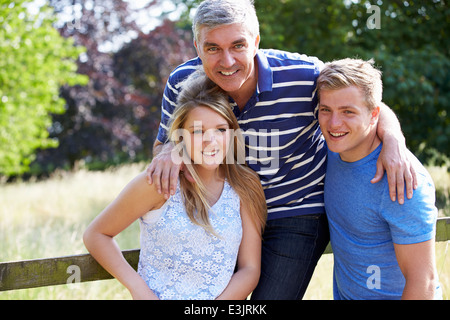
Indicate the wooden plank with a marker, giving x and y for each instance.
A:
(56, 271)
(82, 268)
(442, 232)
(443, 229)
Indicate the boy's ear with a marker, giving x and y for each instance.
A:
(375, 114)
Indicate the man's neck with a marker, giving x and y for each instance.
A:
(246, 91)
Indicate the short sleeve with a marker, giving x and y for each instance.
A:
(415, 220)
(167, 107)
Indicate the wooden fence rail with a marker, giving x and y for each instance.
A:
(81, 268)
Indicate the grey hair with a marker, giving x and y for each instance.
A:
(214, 13)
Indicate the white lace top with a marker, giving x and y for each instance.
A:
(180, 260)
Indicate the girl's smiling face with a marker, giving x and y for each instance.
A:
(206, 136)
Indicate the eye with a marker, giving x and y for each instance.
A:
(212, 49)
(197, 131)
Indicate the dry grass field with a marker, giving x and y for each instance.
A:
(47, 219)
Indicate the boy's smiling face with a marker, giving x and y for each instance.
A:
(349, 127)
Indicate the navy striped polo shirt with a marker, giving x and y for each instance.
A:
(284, 144)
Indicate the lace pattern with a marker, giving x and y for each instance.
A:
(180, 260)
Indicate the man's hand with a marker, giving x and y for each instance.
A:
(164, 170)
(400, 172)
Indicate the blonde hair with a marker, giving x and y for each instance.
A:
(199, 90)
(353, 72)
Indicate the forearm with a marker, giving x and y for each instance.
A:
(242, 283)
(108, 254)
(419, 289)
(388, 126)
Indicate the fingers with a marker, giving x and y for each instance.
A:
(409, 182)
(400, 185)
(163, 173)
(379, 173)
(149, 173)
(401, 176)
(402, 181)
(415, 182)
(165, 178)
(396, 184)
(169, 180)
(398, 179)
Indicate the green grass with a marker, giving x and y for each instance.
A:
(47, 219)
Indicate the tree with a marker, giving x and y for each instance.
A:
(144, 65)
(34, 62)
(410, 44)
(95, 124)
(114, 118)
(315, 28)
(412, 48)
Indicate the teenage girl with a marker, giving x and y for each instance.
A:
(204, 242)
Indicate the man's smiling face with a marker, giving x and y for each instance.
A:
(227, 53)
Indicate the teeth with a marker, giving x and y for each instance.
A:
(227, 73)
(212, 153)
(337, 134)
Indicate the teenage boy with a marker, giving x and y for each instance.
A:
(382, 250)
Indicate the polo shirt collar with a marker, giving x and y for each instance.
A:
(265, 76)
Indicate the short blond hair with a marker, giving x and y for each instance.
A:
(348, 72)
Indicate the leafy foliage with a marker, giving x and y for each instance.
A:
(115, 117)
(34, 62)
(411, 46)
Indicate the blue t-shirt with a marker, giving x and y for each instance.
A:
(283, 141)
(365, 223)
